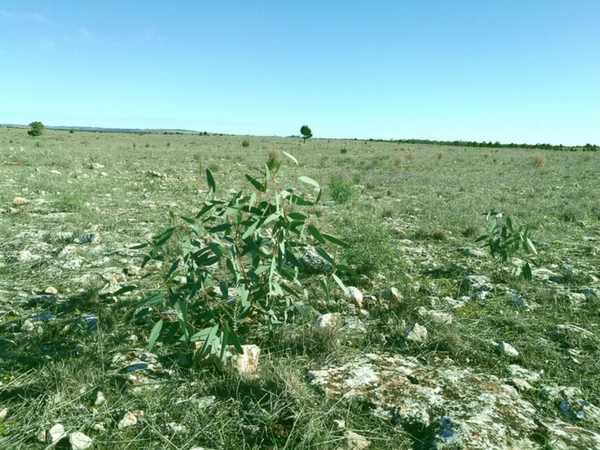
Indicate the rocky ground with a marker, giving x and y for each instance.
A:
(441, 347)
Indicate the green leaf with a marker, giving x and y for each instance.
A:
(296, 200)
(257, 185)
(302, 310)
(224, 339)
(215, 249)
(207, 335)
(207, 207)
(218, 228)
(160, 240)
(319, 196)
(154, 334)
(297, 216)
(211, 181)
(309, 181)
(170, 334)
(188, 220)
(172, 270)
(235, 341)
(139, 246)
(340, 283)
(335, 240)
(316, 234)
(530, 246)
(251, 229)
(325, 288)
(291, 157)
(527, 272)
(124, 290)
(345, 269)
(152, 300)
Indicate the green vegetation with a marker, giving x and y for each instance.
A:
(240, 260)
(35, 129)
(305, 132)
(246, 143)
(341, 188)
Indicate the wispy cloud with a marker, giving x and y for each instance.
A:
(35, 17)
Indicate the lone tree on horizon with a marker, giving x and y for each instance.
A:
(305, 132)
(36, 129)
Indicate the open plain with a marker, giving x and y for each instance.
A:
(503, 362)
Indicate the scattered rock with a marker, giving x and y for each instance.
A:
(521, 384)
(175, 428)
(126, 419)
(473, 252)
(90, 238)
(437, 317)
(415, 333)
(99, 399)
(479, 282)
(80, 441)
(517, 371)
(96, 166)
(138, 369)
(244, 364)
(507, 349)
(99, 427)
(329, 320)
(154, 174)
(355, 295)
(341, 424)
(55, 172)
(355, 441)
(51, 290)
(20, 201)
(389, 294)
(55, 434)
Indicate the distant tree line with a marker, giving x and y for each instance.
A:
(586, 147)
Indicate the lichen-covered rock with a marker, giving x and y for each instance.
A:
(446, 407)
(312, 262)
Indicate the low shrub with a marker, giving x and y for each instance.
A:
(341, 188)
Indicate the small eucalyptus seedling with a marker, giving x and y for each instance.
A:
(237, 265)
(504, 240)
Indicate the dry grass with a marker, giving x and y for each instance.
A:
(539, 160)
(273, 155)
(398, 161)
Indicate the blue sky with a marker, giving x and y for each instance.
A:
(509, 71)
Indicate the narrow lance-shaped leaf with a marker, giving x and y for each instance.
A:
(527, 274)
(291, 157)
(340, 283)
(335, 240)
(154, 334)
(124, 290)
(211, 333)
(309, 180)
(160, 240)
(530, 246)
(210, 181)
(152, 300)
(316, 234)
(257, 185)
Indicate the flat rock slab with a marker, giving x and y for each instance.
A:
(447, 407)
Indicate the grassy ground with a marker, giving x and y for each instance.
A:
(409, 212)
